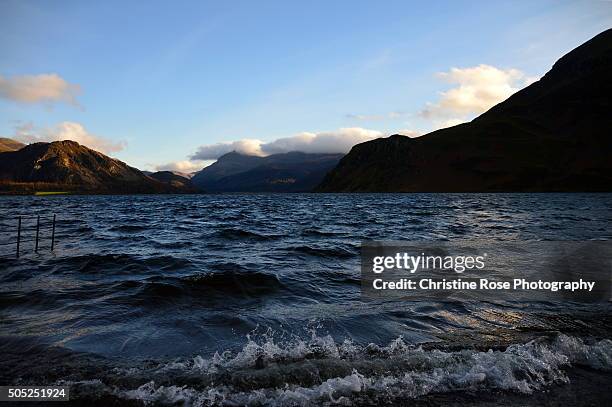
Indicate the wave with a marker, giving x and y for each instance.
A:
(172, 245)
(336, 252)
(119, 263)
(318, 232)
(320, 371)
(241, 234)
(235, 281)
(82, 229)
(208, 287)
(128, 228)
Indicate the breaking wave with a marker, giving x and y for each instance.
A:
(320, 371)
(135, 289)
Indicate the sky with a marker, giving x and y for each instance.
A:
(174, 85)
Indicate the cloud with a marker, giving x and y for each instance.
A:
(44, 88)
(409, 133)
(214, 151)
(478, 89)
(185, 166)
(28, 133)
(339, 141)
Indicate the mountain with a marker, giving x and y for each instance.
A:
(554, 135)
(173, 178)
(187, 175)
(7, 144)
(69, 166)
(288, 172)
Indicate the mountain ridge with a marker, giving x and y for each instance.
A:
(68, 166)
(8, 144)
(286, 172)
(173, 178)
(552, 135)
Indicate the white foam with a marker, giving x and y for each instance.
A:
(265, 349)
(522, 368)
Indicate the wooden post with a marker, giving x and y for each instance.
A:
(37, 232)
(18, 235)
(53, 234)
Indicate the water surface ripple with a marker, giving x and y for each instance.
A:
(255, 299)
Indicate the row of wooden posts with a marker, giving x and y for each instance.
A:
(37, 239)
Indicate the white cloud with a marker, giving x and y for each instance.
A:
(214, 151)
(409, 133)
(478, 89)
(27, 133)
(339, 141)
(44, 88)
(185, 166)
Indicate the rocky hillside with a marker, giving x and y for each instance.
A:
(69, 166)
(7, 144)
(554, 135)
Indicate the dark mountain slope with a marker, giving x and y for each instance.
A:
(8, 144)
(554, 135)
(173, 179)
(227, 165)
(288, 172)
(69, 166)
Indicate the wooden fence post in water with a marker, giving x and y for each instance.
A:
(37, 231)
(18, 235)
(53, 234)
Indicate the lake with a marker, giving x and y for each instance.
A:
(255, 299)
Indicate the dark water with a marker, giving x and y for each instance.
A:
(255, 299)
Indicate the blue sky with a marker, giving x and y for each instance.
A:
(162, 79)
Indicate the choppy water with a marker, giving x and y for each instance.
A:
(255, 299)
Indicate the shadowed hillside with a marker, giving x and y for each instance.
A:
(177, 180)
(288, 172)
(554, 135)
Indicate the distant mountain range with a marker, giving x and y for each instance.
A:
(178, 173)
(288, 172)
(554, 135)
(175, 179)
(71, 167)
